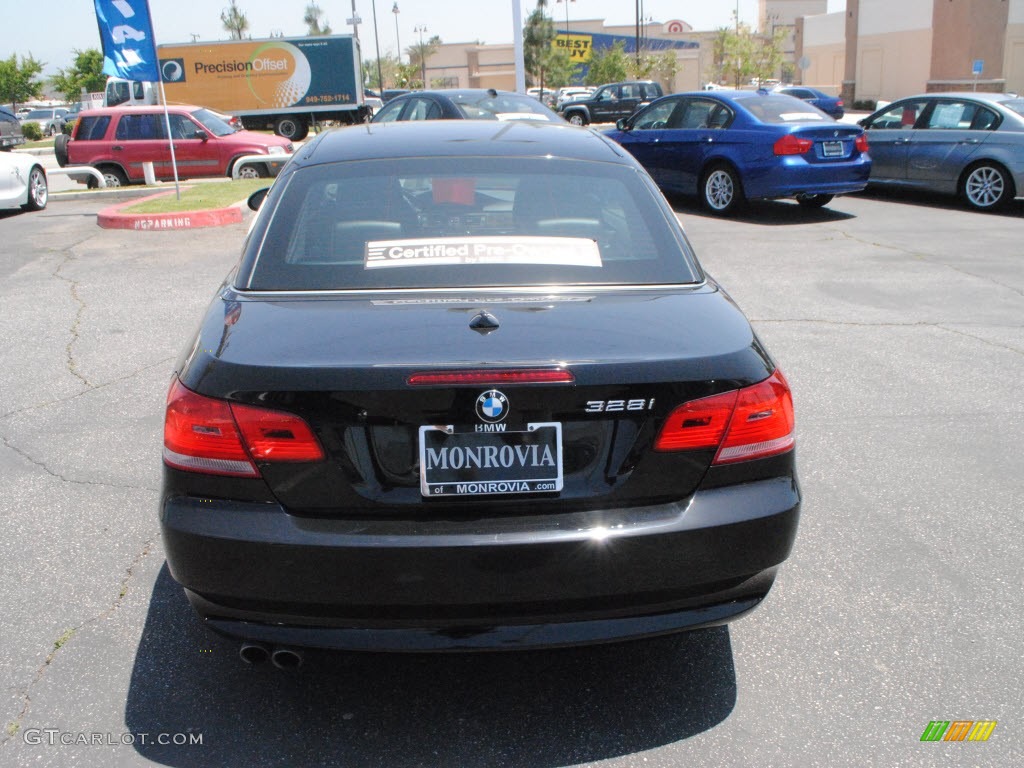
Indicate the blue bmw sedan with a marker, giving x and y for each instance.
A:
(728, 147)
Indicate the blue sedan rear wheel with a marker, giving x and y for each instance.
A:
(986, 186)
(721, 191)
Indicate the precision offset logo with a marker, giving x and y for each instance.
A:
(492, 406)
(959, 730)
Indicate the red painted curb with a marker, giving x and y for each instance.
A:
(112, 218)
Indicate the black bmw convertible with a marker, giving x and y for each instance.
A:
(468, 387)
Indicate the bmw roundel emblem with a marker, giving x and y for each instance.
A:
(492, 406)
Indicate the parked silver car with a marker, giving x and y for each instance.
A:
(967, 144)
(50, 120)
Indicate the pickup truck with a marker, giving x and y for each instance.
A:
(610, 102)
(10, 131)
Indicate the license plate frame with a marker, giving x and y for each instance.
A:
(833, 149)
(518, 463)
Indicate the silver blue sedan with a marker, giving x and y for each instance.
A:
(967, 144)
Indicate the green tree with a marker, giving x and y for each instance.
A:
(418, 54)
(86, 72)
(608, 65)
(559, 67)
(234, 20)
(19, 81)
(388, 70)
(408, 76)
(538, 34)
(746, 55)
(766, 52)
(312, 21)
(654, 65)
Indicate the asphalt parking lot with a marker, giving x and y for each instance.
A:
(900, 325)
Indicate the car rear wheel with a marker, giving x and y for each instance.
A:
(986, 186)
(38, 191)
(291, 128)
(814, 201)
(721, 190)
(52, 131)
(112, 175)
(576, 118)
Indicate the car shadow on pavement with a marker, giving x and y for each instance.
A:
(934, 200)
(771, 213)
(537, 708)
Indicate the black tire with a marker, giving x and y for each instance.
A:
(721, 191)
(113, 175)
(60, 149)
(52, 131)
(291, 128)
(814, 201)
(576, 118)
(986, 186)
(38, 190)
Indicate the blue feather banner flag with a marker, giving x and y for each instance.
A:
(126, 31)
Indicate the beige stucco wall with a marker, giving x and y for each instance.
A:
(893, 65)
(1013, 56)
(894, 49)
(824, 44)
(966, 31)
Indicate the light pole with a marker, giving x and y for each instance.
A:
(376, 43)
(355, 21)
(398, 42)
(566, 14)
(421, 28)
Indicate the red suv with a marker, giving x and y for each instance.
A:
(118, 140)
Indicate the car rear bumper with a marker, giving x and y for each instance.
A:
(795, 176)
(253, 571)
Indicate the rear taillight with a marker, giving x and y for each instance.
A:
(697, 424)
(203, 434)
(839, 102)
(791, 144)
(276, 435)
(750, 423)
(861, 143)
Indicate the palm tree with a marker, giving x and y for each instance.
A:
(235, 21)
(312, 21)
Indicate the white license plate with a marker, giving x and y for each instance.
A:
(489, 463)
(832, 149)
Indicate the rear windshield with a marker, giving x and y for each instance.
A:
(1017, 105)
(779, 108)
(504, 106)
(467, 222)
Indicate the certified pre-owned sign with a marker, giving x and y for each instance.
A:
(566, 251)
(484, 463)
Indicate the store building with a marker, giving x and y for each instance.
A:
(893, 50)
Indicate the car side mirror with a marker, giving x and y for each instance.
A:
(623, 124)
(202, 136)
(257, 197)
(863, 122)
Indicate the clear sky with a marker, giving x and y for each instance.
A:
(54, 29)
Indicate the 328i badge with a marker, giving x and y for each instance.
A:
(425, 417)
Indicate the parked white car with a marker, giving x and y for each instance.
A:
(569, 93)
(22, 182)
